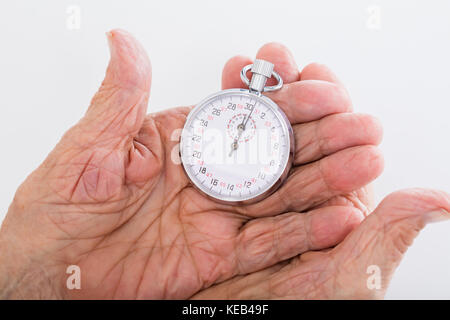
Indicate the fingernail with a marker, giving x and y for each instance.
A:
(437, 216)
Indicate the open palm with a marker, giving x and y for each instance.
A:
(113, 199)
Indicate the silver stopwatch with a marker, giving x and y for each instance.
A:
(237, 145)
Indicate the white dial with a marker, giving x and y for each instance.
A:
(236, 145)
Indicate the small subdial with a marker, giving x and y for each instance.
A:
(236, 123)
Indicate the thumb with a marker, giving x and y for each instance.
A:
(118, 108)
(96, 156)
(368, 257)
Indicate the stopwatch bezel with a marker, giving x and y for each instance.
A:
(288, 160)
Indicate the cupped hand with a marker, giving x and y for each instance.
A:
(112, 199)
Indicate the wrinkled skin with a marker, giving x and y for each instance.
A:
(110, 199)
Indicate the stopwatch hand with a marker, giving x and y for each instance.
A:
(234, 146)
(247, 118)
(235, 143)
(243, 123)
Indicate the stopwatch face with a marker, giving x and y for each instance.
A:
(236, 146)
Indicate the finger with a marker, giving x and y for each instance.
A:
(275, 53)
(360, 267)
(316, 71)
(266, 241)
(318, 96)
(317, 139)
(372, 252)
(318, 93)
(362, 199)
(101, 150)
(253, 286)
(231, 72)
(317, 182)
(118, 108)
(309, 100)
(283, 61)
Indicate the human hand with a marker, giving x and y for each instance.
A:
(360, 267)
(110, 199)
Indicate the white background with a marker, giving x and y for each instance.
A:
(392, 55)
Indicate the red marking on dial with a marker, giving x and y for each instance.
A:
(233, 124)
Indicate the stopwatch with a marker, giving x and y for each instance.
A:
(237, 144)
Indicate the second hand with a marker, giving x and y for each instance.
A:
(241, 129)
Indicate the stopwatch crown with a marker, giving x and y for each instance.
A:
(261, 71)
(262, 67)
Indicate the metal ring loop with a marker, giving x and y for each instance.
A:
(277, 77)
